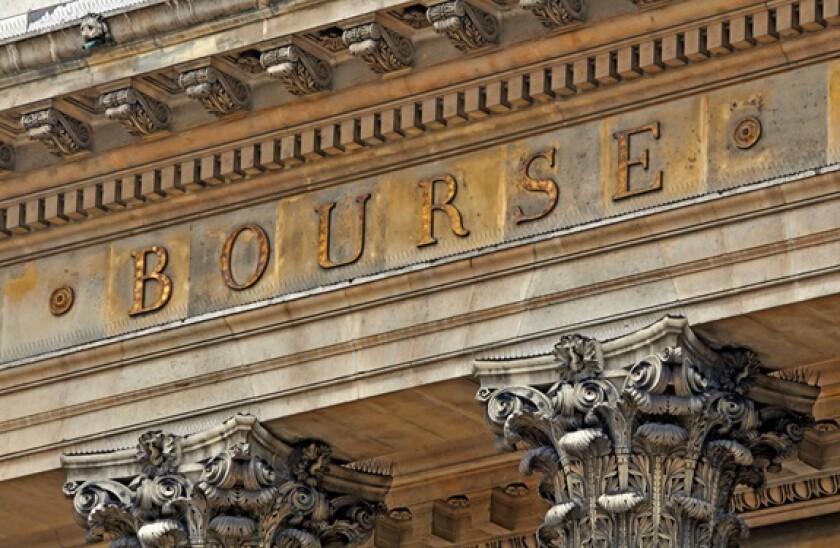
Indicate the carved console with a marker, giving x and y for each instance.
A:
(219, 92)
(300, 72)
(381, 48)
(62, 134)
(233, 486)
(642, 440)
(137, 112)
(555, 13)
(467, 26)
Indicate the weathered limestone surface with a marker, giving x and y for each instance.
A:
(742, 237)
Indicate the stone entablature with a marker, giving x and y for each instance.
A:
(551, 184)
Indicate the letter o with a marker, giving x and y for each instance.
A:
(227, 251)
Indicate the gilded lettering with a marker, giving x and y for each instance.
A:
(227, 252)
(529, 183)
(625, 162)
(430, 205)
(156, 275)
(325, 214)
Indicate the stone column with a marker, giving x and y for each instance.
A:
(641, 440)
(233, 486)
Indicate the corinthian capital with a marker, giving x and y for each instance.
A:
(61, 133)
(219, 92)
(555, 13)
(641, 452)
(137, 112)
(466, 26)
(300, 72)
(381, 48)
(253, 490)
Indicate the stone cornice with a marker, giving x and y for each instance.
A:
(516, 91)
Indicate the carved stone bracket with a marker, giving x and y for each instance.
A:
(555, 13)
(61, 134)
(467, 26)
(139, 113)
(7, 157)
(219, 92)
(253, 490)
(299, 71)
(382, 49)
(641, 452)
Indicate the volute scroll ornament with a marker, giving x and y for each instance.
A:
(467, 26)
(645, 452)
(258, 492)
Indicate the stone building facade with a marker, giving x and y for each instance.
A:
(475, 273)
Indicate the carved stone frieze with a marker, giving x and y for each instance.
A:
(256, 492)
(7, 157)
(300, 72)
(219, 92)
(645, 452)
(61, 134)
(467, 26)
(555, 13)
(137, 112)
(381, 48)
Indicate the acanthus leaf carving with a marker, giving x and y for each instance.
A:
(555, 13)
(62, 134)
(381, 48)
(648, 454)
(300, 72)
(467, 26)
(219, 92)
(237, 500)
(137, 112)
